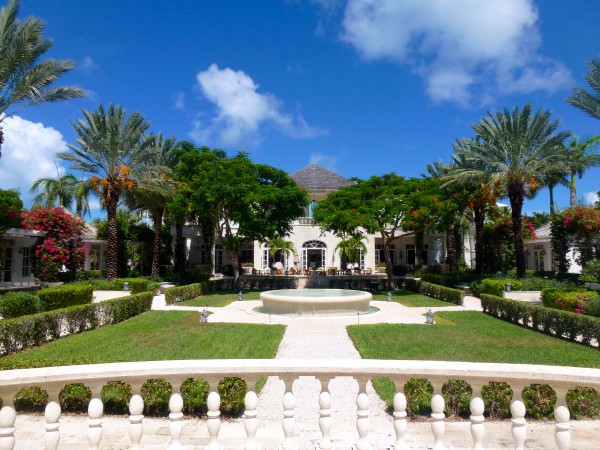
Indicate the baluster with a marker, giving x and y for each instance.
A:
(362, 416)
(95, 412)
(325, 417)
(214, 420)
(289, 403)
(438, 427)
(562, 435)
(517, 410)
(250, 420)
(477, 419)
(400, 424)
(8, 415)
(175, 419)
(52, 416)
(136, 416)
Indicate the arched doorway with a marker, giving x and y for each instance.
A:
(314, 254)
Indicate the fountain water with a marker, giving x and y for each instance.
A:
(315, 302)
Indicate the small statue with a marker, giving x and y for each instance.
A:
(240, 296)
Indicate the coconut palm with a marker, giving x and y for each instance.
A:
(513, 149)
(24, 79)
(108, 147)
(581, 156)
(62, 191)
(589, 102)
(350, 249)
(155, 187)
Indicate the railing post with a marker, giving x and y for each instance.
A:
(175, 418)
(250, 420)
(477, 419)
(517, 410)
(136, 416)
(562, 435)
(8, 415)
(214, 420)
(400, 424)
(95, 412)
(52, 415)
(325, 416)
(362, 416)
(289, 403)
(438, 427)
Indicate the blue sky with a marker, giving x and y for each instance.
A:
(362, 87)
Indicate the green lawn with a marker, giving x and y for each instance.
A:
(221, 298)
(409, 298)
(156, 335)
(468, 336)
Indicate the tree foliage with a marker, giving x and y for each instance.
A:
(10, 209)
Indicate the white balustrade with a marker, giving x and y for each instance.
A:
(476, 374)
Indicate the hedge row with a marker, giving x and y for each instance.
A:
(37, 329)
(443, 293)
(554, 322)
(567, 300)
(65, 296)
(191, 291)
(135, 285)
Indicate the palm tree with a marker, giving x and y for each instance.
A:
(24, 79)
(581, 156)
(62, 191)
(155, 187)
(108, 147)
(350, 249)
(588, 102)
(513, 149)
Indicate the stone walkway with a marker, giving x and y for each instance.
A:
(309, 338)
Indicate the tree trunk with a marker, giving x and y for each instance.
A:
(479, 214)
(451, 256)
(419, 238)
(234, 258)
(389, 269)
(551, 193)
(516, 195)
(179, 247)
(157, 217)
(573, 190)
(112, 257)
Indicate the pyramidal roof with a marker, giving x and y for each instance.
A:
(315, 177)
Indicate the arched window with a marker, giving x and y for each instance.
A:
(314, 254)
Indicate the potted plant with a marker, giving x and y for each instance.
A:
(380, 267)
(247, 267)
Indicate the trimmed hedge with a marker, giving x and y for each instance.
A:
(65, 296)
(136, 285)
(566, 300)
(554, 322)
(16, 304)
(37, 329)
(191, 291)
(443, 293)
(496, 286)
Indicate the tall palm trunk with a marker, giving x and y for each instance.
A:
(551, 193)
(112, 200)
(516, 195)
(157, 217)
(452, 256)
(479, 214)
(573, 190)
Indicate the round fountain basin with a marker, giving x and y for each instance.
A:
(315, 301)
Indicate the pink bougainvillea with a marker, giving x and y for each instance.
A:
(62, 245)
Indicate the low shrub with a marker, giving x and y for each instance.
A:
(75, 398)
(592, 307)
(31, 399)
(135, 285)
(191, 291)
(554, 322)
(583, 402)
(496, 396)
(457, 398)
(539, 399)
(567, 300)
(496, 286)
(115, 396)
(194, 392)
(232, 391)
(16, 304)
(419, 392)
(443, 293)
(64, 296)
(156, 395)
(590, 273)
(87, 275)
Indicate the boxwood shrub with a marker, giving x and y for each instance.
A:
(64, 296)
(443, 293)
(496, 286)
(191, 291)
(16, 304)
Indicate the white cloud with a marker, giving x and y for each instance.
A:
(179, 100)
(590, 198)
(27, 154)
(328, 161)
(87, 64)
(242, 113)
(464, 49)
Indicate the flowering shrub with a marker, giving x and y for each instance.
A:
(578, 226)
(62, 244)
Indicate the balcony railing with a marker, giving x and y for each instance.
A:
(52, 379)
(304, 221)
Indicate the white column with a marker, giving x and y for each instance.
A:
(477, 418)
(214, 420)
(562, 435)
(362, 416)
(325, 416)
(400, 424)
(289, 404)
(517, 410)
(438, 427)
(95, 412)
(136, 416)
(175, 419)
(8, 415)
(52, 416)
(250, 420)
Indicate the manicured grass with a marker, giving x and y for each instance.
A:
(409, 298)
(221, 298)
(156, 335)
(468, 336)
